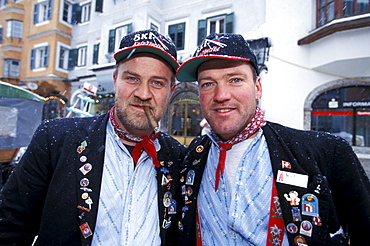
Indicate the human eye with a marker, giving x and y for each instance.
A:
(205, 85)
(131, 79)
(236, 80)
(158, 84)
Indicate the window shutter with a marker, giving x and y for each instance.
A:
(99, 6)
(1, 35)
(229, 23)
(36, 13)
(50, 9)
(46, 55)
(96, 54)
(76, 13)
(111, 40)
(202, 30)
(72, 58)
(33, 55)
(129, 28)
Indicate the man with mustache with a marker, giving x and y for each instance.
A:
(107, 180)
(254, 182)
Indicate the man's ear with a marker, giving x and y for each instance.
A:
(173, 88)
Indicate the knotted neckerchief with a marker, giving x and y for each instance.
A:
(256, 123)
(144, 142)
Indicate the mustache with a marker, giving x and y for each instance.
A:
(137, 101)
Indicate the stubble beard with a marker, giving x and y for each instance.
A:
(132, 120)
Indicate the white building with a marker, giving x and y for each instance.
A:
(318, 67)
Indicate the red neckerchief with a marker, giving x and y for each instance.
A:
(256, 123)
(144, 142)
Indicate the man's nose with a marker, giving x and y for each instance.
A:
(222, 93)
(143, 91)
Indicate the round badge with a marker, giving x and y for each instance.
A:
(87, 167)
(83, 158)
(84, 182)
(189, 191)
(85, 195)
(299, 240)
(292, 228)
(199, 148)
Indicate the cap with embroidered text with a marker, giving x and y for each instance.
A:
(217, 46)
(149, 41)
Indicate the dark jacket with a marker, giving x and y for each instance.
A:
(335, 177)
(42, 196)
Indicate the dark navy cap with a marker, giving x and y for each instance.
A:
(217, 46)
(148, 41)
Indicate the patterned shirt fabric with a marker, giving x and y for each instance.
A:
(128, 204)
(237, 214)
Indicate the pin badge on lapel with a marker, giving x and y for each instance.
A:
(190, 177)
(306, 228)
(86, 168)
(286, 164)
(199, 148)
(84, 182)
(292, 228)
(310, 205)
(82, 147)
(165, 180)
(85, 229)
(296, 214)
(292, 198)
(172, 207)
(167, 199)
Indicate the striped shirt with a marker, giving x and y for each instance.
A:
(238, 213)
(128, 203)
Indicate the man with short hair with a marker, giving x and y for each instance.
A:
(254, 182)
(107, 180)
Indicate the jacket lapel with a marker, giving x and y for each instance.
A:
(89, 159)
(303, 202)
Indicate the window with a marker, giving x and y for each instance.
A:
(67, 11)
(3, 3)
(63, 57)
(153, 26)
(14, 28)
(344, 112)
(85, 12)
(1, 34)
(177, 34)
(215, 24)
(328, 10)
(82, 51)
(39, 57)
(96, 54)
(11, 67)
(99, 6)
(42, 11)
(115, 36)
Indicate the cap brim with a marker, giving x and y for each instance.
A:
(188, 71)
(123, 53)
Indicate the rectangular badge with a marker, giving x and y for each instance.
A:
(290, 178)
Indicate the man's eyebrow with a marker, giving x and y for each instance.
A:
(130, 73)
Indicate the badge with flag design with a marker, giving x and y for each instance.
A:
(286, 164)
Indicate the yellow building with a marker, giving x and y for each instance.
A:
(30, 34)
